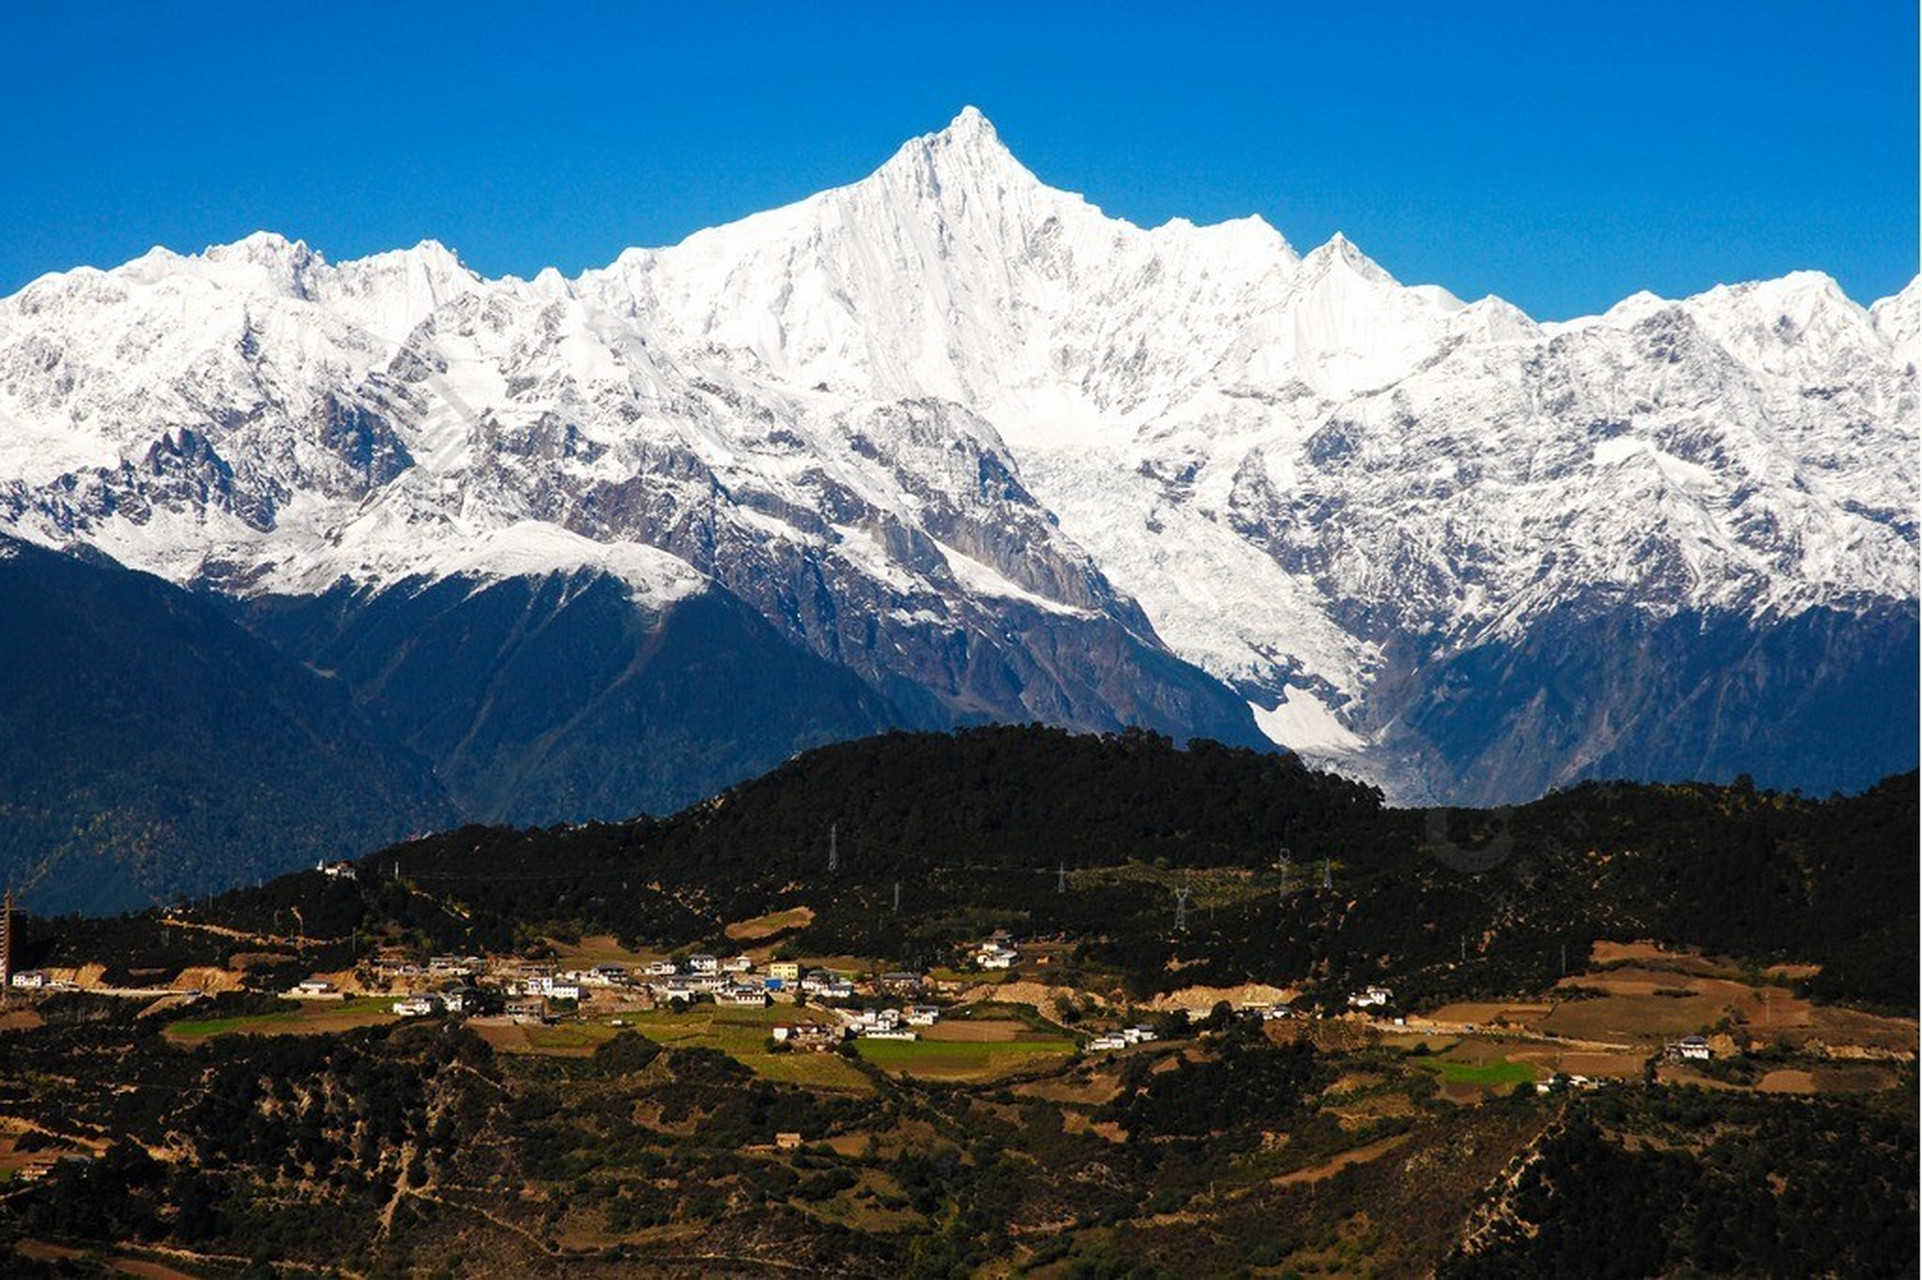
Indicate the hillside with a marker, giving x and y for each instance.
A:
(150, 745)
(984, 828)
(1515, 1107)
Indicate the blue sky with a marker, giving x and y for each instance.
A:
(1562, 156)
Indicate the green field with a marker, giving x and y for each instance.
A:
(742, 1034)
(316, 1018)
(961, 1059)
(1488, 1074)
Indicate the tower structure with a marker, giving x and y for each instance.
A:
(834, 848)
(1181, 908)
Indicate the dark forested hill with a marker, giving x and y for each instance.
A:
(150, 745)
(1090, 837)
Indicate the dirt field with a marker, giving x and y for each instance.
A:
(1482, 1013)
(601, 948)
(986, 1031)
(768, 925)
(1329, 1168)
(1845, 1029)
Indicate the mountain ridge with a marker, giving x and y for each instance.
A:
(1004, 457)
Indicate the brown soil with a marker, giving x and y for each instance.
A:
(768, 925)
(1329, 1168)
(983, 1032)
(1206, 998)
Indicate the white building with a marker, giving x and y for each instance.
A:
(553, 988)
(1694, 1048)
(1373, 997)
(416, 1006)
(704, 964)
(996, 956)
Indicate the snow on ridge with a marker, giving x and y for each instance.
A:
(1290, 464)
(534, 549)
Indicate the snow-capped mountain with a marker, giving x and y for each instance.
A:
(1000, 456)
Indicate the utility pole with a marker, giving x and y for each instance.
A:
(834, 848)
(6, 946)
(1327, 872)
(1061, 878)
(1181, 909)
(897, 897)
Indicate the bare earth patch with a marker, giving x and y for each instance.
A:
(768, 925)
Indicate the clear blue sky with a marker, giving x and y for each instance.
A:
(1562, 156)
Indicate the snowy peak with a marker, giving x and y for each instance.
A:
(967, 149)
(947, 400)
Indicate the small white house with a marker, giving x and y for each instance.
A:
(737, 964)
(661, 969)
(703, 964)
(923, 1015)
(416, 1006)
(311, 988)
(1372, 997)
(553, 988)
(337, 870)
(460, 999)
(995, 956)
(30, 979)
(1694, 1048)
(1104, 1043)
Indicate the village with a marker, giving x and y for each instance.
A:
(824, 1004)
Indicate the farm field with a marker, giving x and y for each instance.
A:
(742, 1034)
(1496, 1074)
(972, 1060)
(317, 1018)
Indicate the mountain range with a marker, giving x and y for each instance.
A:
(943, 447)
